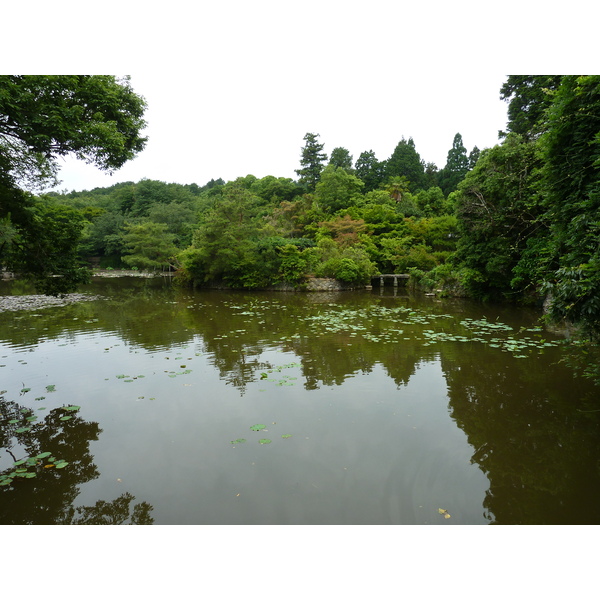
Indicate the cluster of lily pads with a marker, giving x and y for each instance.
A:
(28, 468)
(260, 427)
(285, 379)
(386, 330)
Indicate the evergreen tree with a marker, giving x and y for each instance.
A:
(369, 170)
(474, 157)
(528, 97)
(311, 161)
(406, 162)
(457, 166)
(340, 157)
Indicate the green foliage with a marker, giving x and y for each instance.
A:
(406, 162)
(499, 209)
(457, 166)
(98, 118)
(528, 97)
(341, 157)
(433, 203)
(275, 190)
(148, 246)
(350, 265)
(337, 190)
(43, 247)
(369, 170)
(295, 263)
(311, 162)
(572, 175)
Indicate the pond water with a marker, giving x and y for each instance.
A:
(154, 404)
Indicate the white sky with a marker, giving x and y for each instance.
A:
(232, 87)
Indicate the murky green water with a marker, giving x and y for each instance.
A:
(372, 407)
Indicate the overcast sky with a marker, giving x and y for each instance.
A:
(255, 123)
(233, 86)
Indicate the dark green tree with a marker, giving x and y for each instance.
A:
(528, 97)
(311, 161)
(571, 148)
(501, 216)
(369, 170)
(457, 166)
(340, 157)
(96, 118)
(43, 247)
(405, 161)
(474, 157)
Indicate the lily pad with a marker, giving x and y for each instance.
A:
(238, 441)
(258, 427)
(72, 407)
(264, 441)
(66, 418)
(286, 435)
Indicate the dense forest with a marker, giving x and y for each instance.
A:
(518, 222)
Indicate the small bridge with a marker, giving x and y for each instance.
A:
(394, 276)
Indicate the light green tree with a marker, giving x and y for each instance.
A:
(149, 246)
(337, 189)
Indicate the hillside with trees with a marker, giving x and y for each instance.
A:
(518, 222)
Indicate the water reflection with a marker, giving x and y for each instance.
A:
(39, 492)
(397, 406)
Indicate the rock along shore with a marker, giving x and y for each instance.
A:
(12, 303)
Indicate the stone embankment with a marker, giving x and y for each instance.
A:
(36, 302)
(130, 273)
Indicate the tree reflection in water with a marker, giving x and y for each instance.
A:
(46, 496)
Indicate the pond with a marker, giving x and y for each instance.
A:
(153, 404)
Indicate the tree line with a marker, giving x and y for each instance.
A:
(515, 222)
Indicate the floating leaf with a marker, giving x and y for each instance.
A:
(72, 407)
(13, 421)
(43, 455)
(25, 390)
(61, 465)
(19, 462)
(286, 435)
(66, 418)
(257, 427)
(50, 388)
(264, 441)
(444, 512)
(23, 429)
(238, 441)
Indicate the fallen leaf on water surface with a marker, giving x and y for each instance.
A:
(444, 512)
